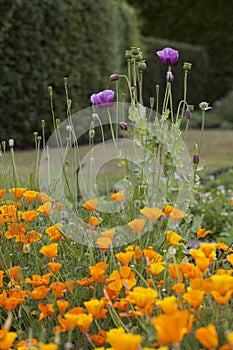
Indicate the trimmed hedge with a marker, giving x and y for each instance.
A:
(208, 23)
(43, 41)
(156, 72)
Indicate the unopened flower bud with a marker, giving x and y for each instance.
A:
(43, 123)
(142, 65)
(58, 122)
(152, 101)
(187, 66)
(170, 77)
(188, 114)
(114, 77)
(157, 88)
(11, 143)
(50, 90)
(123, 126)
(196, 159)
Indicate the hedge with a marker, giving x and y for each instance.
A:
(43, 41)
(208, 23)
(156, 72)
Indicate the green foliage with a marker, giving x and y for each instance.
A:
(41, 42)
(215, 206)
(207, 23)
(224, 110)
(156, 72)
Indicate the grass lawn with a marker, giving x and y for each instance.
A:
(216, 153)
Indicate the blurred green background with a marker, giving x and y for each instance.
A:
(43, 41)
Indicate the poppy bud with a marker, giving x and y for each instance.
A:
(188, 114)
(11, 143)
(114, 77)
(170, 77)
(123, 126)
(187, 66)
(196, 159)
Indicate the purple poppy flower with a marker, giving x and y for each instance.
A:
(105, 98)
(168, 56)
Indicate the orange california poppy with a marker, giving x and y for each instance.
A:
(58, 289)
(202, 232)
(108, 233)
(54, 266)
(171, 328)
(230, 258)
(98, 272)
(173, 238)
(95, 307)
(93, 221)
(54, 232)
(43, 197)
(29, 215)
(207, 336)
(38, 281)
(168, 305)
(84, 321)
(50, 251)
(2, 192)
(120, 340)
(104, 243)
(152, 214)
(125, 257)
(194, 297)
(17, 192)
(7, 339)
(124, 277)
(90, 205)
(30, 196)
(38, 293)
(99, 338)
(143, 298)
(46, 310)
(45, 209)
(137, 225)
(62, 305)
(118, 197)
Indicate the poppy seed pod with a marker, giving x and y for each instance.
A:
(128, 54)
(187, 66)
(196, 159)
(135, 50)
(142, 65)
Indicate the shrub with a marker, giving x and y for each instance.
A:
(43, 41)
(155, 74)
(206, 23)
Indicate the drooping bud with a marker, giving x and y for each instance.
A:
(196, 159)
(114, 77)
(123, 126)
(188, 114)
(187, 66)
(169, 77)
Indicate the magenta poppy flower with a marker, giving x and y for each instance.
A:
(105, 98)
(168, 56)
